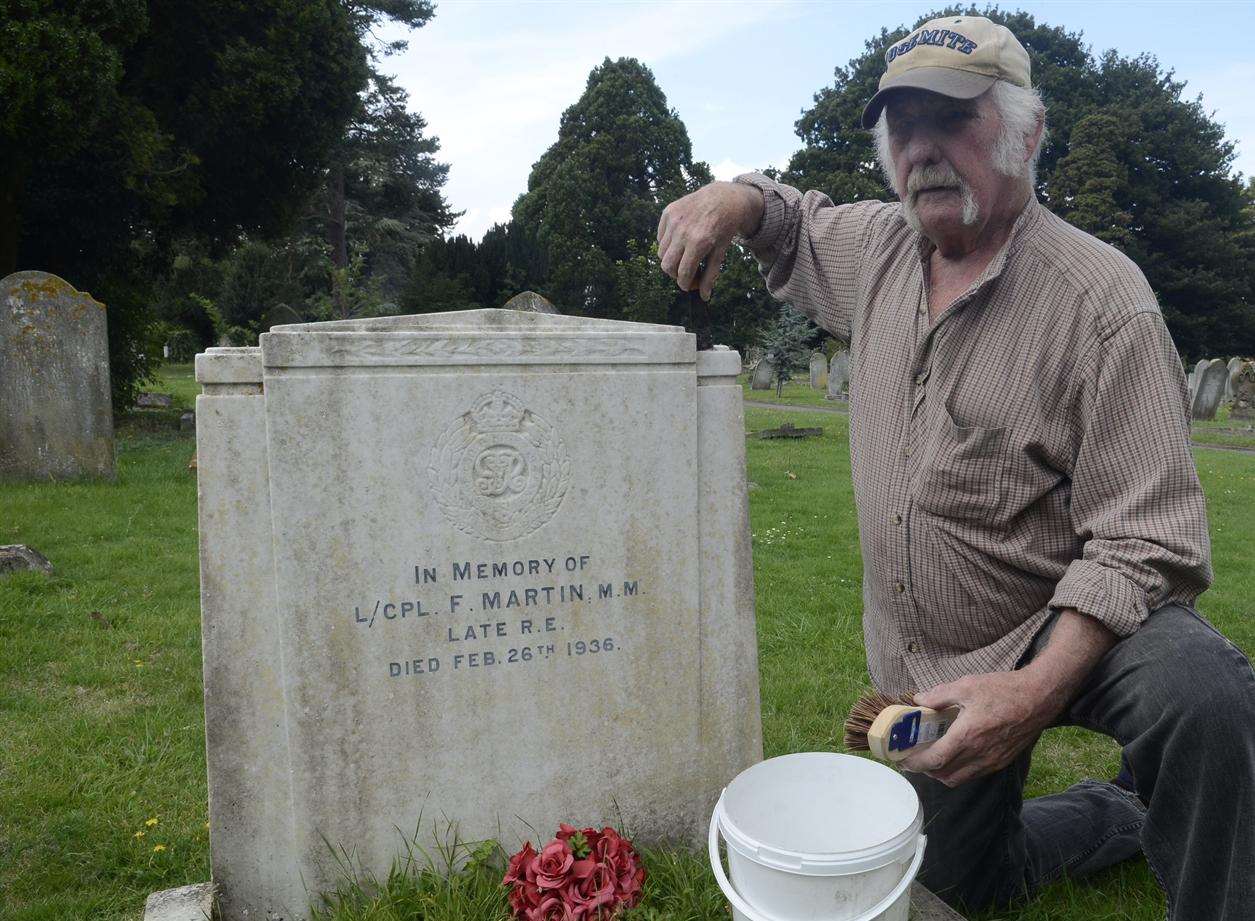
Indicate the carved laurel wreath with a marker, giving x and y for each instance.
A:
(496, 517)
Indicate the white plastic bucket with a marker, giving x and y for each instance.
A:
(818, 836)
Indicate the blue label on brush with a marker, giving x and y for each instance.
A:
(905, 732)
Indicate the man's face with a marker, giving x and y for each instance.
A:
(943, 163)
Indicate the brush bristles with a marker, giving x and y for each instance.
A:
(864, 713)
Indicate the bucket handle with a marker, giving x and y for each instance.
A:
(872, 914)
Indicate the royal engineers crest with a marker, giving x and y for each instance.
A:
(499, 471)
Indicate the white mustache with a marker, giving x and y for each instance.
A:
(930, 177)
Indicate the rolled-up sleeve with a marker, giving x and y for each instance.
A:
(1136, 498)
(810, 250)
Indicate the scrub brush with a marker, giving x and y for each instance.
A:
(893, 727)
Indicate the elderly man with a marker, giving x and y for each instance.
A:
(1032, 526)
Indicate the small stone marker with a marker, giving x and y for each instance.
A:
(1209, 385)
(764, 375)
(532, 303)
(788, 430)
(488, 567)
(1243, 381)
(925, 906)
(187, 422)
(147, 400)
(839, 376)
(187, 903)
(21, 558)
(818, 371)
(56, 415)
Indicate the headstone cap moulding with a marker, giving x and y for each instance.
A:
(475, 337)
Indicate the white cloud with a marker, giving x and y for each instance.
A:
(493, 92)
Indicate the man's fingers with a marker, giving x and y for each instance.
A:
(686, 274)
(942, 696)
(663, 223)
(714, 265)
(670, 260)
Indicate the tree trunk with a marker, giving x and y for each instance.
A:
(337, 238)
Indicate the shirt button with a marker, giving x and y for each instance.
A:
(899, 588)
(912, 647)
(906, 452)
(897, 519)
(921, 377)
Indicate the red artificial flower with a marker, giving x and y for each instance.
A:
(553, 864)
(588, 895)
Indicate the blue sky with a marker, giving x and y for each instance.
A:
(493, 77)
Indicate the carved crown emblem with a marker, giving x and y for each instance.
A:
(499, 471)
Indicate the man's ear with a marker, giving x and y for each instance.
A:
(1034, 137)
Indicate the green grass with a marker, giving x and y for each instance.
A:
(1221, 431)
(101, 727)
(178, 380)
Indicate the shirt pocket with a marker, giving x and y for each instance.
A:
(962, 477)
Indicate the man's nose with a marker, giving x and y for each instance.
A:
(922, 149)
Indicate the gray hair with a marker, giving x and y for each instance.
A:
(1020, 110)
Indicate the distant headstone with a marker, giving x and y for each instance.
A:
(21, 558)
(532, 303)
(818, 371)
(187, 422)
(1209, 385)
(753, 356)
(764, 375)
(56, 414)
(147, 400)
(1234, 364)
(839, 376)
(1243, 381)
(512, 557)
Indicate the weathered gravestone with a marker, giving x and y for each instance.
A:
(818, 371)
(1209, 384)
(488, 567)
(1233, 366)
(839, 376)
(531, 302)
(764, 375)
(1243, 381)
(56, 414)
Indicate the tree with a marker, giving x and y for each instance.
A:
(787, 346)
(127, 126)
(1127, 158)
(621, 155)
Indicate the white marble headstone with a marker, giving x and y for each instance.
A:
(1209, 387)
(487, 567)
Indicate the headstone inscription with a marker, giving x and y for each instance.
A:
(839, 376)
(764, 375)
(819, 371)
(1243, 380)
(56, 413)
(1209, 384)
(490, 567)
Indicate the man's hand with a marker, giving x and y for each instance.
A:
(700, 226)
(1002, 714)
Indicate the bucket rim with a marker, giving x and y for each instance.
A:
(894, 848)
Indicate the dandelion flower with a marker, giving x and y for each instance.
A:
(158, 848)
(139, 663)
(151, 822)
(138, 834)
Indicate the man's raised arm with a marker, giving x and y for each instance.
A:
(809, 250)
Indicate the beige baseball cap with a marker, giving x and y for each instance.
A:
(959, 56)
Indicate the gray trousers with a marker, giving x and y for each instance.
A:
(1180, 699)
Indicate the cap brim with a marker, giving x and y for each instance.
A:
(958, 84)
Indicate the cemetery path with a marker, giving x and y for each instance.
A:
(844, 411)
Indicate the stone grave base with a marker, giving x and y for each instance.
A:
(187, 903)
(195, 903)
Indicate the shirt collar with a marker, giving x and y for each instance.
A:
(1025, 221)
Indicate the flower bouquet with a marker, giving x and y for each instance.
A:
(580, 874)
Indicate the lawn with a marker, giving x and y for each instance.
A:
(102, 777)
(1221, 431)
